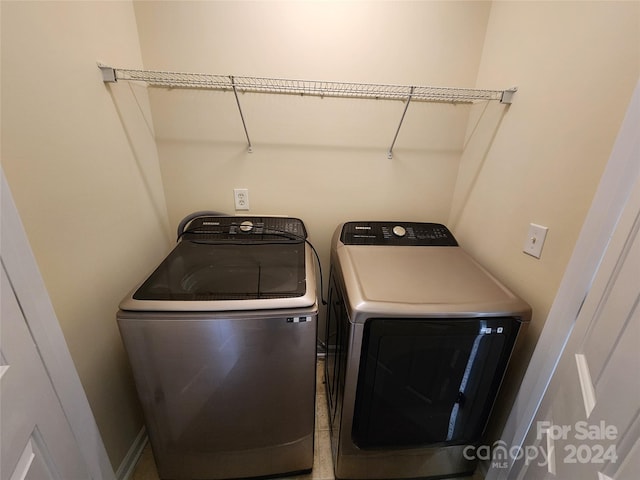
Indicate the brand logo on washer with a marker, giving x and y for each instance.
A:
(298, 319)
(363, 228)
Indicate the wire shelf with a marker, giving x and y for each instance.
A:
(306, 87)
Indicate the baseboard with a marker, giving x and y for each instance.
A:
(128, 465)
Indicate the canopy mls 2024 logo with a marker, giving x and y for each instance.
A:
(580, 443)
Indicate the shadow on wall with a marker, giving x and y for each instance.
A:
(482, 133)
(132, 103)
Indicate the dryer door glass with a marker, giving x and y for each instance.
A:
(429, 381)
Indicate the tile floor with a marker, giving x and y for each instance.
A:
(322, 462)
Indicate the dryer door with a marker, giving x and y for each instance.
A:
(429, 381)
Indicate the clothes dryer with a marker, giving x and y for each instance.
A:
(419, 336)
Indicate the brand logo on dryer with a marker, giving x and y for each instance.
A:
(489, 330)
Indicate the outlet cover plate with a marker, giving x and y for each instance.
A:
(241, 198)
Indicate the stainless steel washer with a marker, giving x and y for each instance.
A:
(419, 339)
(222, 343)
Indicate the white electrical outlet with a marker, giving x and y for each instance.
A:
(241, 198)
(535, 240)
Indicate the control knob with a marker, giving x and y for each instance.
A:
(399, 231)
(246, 226)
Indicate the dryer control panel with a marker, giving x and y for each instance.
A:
(397, 233)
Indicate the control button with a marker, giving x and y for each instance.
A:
(399, 231)
(246, 226)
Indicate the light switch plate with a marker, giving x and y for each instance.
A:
(535, 240)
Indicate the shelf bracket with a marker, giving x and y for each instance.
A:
(507, 95)
(244, 125)
(108, 73)
(395, 137)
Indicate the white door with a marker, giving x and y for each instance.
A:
(588, 425)
(37, 442)
(47, 430)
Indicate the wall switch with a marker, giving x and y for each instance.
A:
(535, 240)
(241, 198)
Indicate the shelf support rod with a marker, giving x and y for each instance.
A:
(395, 137)
(244, 125)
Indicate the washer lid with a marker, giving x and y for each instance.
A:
(195, 271)
(230, 263)
(415, 280)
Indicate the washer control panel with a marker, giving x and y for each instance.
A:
(247, 229)
(397, 233)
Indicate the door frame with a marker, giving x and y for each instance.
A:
(24, 275)
(621, 173)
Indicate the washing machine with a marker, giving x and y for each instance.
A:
(221, 338)
(419, 338)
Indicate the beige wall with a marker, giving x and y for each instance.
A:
(88, 189)
(576, 64)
